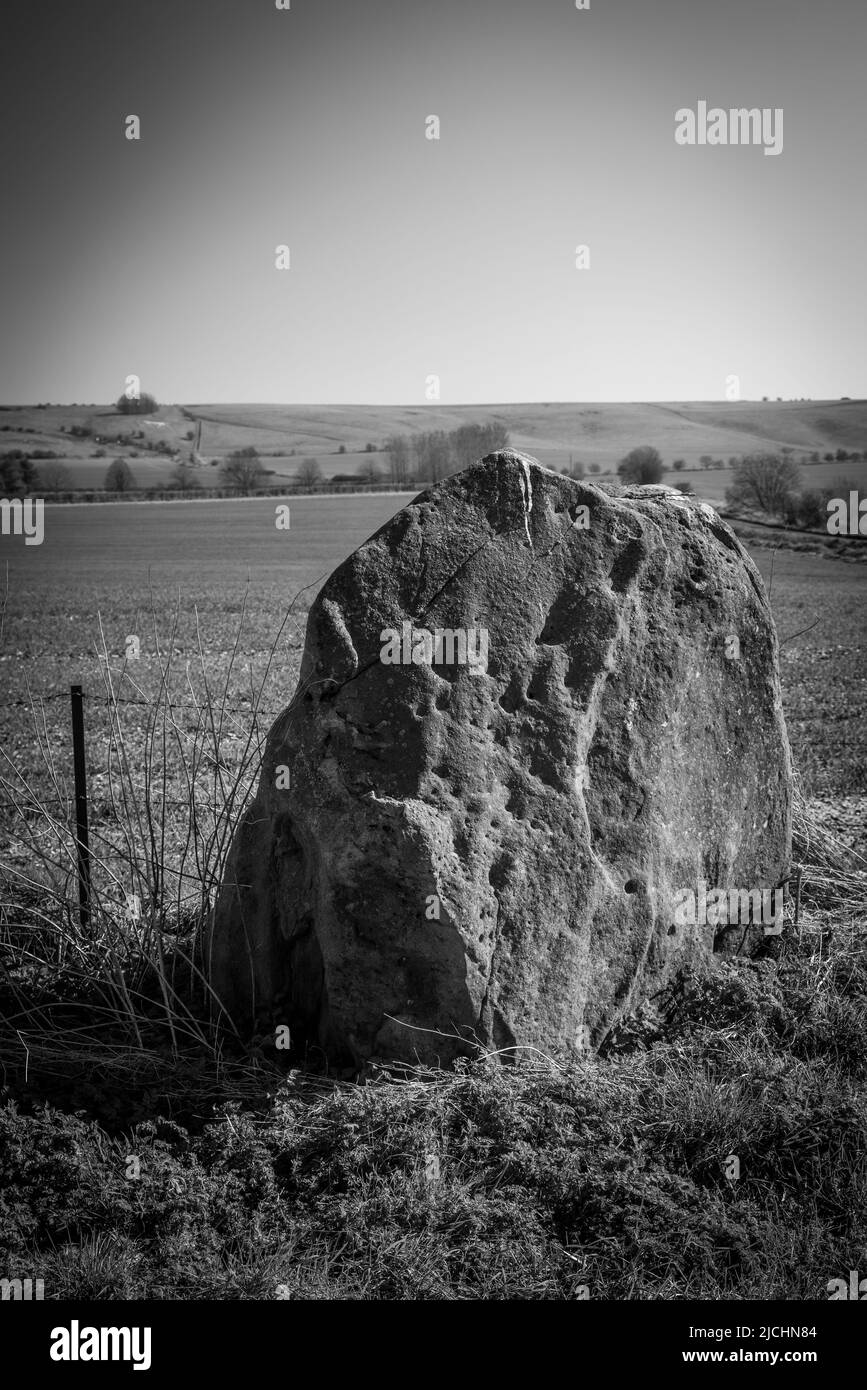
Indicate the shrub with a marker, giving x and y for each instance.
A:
(183, 477)
(678, 465)
(242, 470)
(118, 476)
(53, 478)
(811, 510)
(642, 465)
(18, 476)
(309, 474)
(143, 404)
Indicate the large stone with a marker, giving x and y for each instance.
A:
(549, 808)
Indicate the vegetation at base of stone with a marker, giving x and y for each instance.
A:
(529, 1181)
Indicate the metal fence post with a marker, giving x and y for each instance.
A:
(81, 837)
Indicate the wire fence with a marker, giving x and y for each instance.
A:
(251, 711)
(126, 700)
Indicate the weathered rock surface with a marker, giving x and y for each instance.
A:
(549, 807)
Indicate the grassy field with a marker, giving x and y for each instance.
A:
(555, 433)
(133, 563)
(254, 1178)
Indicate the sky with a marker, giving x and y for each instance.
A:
(412, 258)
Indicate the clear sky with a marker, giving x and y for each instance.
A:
(411, 256)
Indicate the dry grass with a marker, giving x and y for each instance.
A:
(509, 1177)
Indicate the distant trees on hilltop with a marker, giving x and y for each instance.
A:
(142, 404)
(433, 454)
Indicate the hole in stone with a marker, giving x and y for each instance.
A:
(672, 930)
(632, 885)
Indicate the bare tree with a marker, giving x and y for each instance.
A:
(765, 481)
(242, 470)
(183, 477)
(370, 473)
(474, 441)
(433, 455)
(397, 447)
(309, 473)
(54, 478)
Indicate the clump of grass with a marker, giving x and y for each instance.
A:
(534, 1181)
(717, 1152)
(168, 783)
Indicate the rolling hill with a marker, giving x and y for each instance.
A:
(555, 433)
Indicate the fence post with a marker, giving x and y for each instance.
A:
(81, 838)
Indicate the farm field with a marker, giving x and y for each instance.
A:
(556, 433)
(191, 577)
(192, 580)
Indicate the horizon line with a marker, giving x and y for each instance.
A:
(448, 405)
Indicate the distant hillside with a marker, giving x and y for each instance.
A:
(556, 433)
(600, 433)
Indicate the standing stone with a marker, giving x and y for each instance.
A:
(488, 850)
